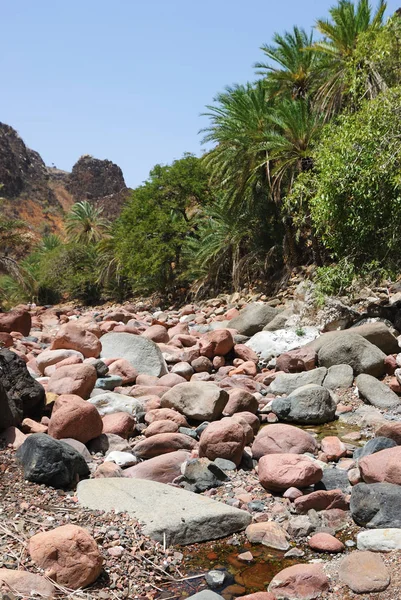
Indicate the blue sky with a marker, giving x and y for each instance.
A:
(127, 79)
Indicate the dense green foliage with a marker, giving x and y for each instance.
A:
(304, 166)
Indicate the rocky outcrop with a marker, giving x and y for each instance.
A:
(42, 195)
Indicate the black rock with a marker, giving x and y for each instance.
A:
(9, 413)
(201, 475)
(374, 445)
(376, 505)
(52, 462)
(22, 389)
(334, 479)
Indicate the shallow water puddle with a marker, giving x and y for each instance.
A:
(243, 577)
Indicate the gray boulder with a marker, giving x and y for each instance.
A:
(310, 404)
(376, 393)
(285, 383)
(200, 401)
(52, 462)
(334, 479)
(376, 505)
(143, 354)
(374, 445)
(253, 318)
(377, 334)
(22, 390)
(108, 442)
(339, 376)
(352, 349)
(10, 415)
(179, 516)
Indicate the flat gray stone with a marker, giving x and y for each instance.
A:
(143, 354)
(184, 517)
(379, 540)
(198, 400)
(339, 376)
(376, 393)
(289, 382)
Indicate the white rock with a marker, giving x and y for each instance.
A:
(123, 459)
(379, 540)
(268, 344)
(111, 402)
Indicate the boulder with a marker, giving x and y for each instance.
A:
(10, 415)
(223, 439)
(122, 368)
(168, 514)
(217, 343)
(68, 555)
(120, 423)
(285, 383)
(12, 437)
(374, 445)
(282, 439)
(321, 500)
(382, 467)
(23, 392)
(201, 474)
(376, 393)
(354, 350)
(74, 418)
(252, 318)
(49, 461)
(200, 401)
(310, 404)
(379, 540)
(278, 472)
(364, 572)
(163, 443)
(299, 582)
(391, 430)
(296, 361)
(239, 400)
(110, 403)
(339, 376)
(333, 448)
(143, 354)
(73, 379)
(376, 505)
(377, 334)
(47, 358)
(268, 344)
(156, 333)
(324, 542)
(165, 414)
(108, 442)
(164, 468)
(16, 320)
(26, 584)
(72, 336)
(269, 534)
(157, 427)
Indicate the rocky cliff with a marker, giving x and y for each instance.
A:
(42, 195)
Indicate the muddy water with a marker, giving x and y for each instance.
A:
(243, 577)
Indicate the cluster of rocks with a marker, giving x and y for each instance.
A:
(153, 413)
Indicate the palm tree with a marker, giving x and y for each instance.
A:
(340, 37)
(294, 73)
(296, 127)
(238, 125)
(85, 224)
(14, 238)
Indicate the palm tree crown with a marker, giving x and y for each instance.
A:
(85, 224)
(294, 71)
